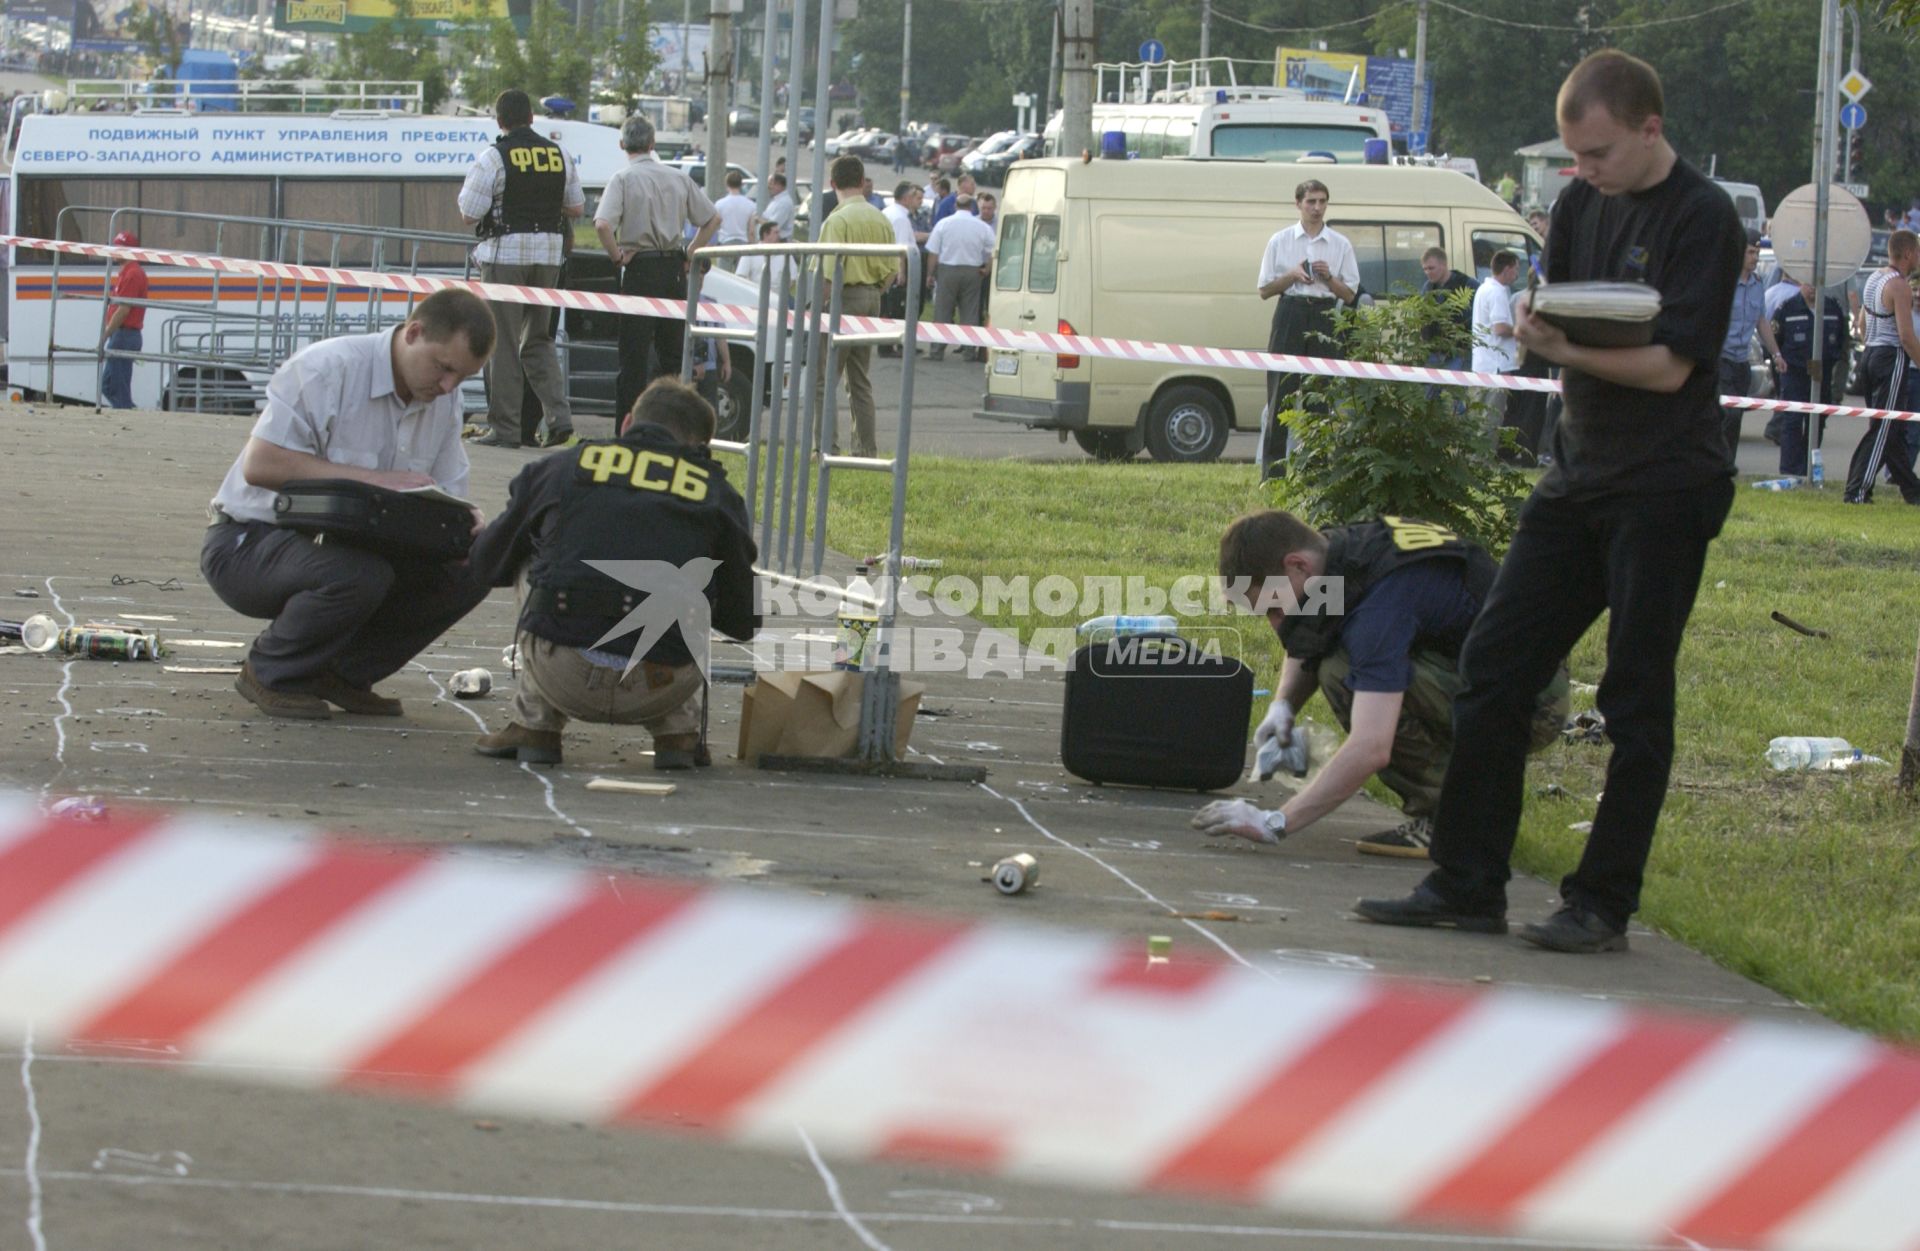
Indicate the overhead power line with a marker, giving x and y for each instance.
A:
(1590, 30)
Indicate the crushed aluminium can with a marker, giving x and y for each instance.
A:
(1016, 874)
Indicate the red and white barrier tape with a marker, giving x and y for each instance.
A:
(1033, 1053)
(927, 332)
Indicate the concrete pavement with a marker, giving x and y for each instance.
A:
(114, 1147)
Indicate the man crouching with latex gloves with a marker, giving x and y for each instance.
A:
(1372, 616)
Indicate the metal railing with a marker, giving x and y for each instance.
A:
(247, 324)
(793, 434)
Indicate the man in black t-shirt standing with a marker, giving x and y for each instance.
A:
(1640, 484)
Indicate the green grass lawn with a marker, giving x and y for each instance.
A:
(1807, 883)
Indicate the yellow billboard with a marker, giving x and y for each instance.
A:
(436, 16)
(1325, 72)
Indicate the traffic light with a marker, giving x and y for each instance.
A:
(1856, 148)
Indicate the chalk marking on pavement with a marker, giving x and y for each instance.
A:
(1146, 894)
(66, 683)
(553, 807)
(525, 768)
(839, 1200)
(630, 1207)
(36, 1197)
(1195, 926)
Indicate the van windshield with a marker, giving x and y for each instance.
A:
(1282, 141)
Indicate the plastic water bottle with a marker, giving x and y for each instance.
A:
(1816, 470)
(1798, 752)
(1094, 629)
(1776, 484)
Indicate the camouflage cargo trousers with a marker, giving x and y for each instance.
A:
(1423, 741)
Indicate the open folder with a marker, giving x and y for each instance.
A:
(1600, 314)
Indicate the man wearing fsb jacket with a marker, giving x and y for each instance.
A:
(624, 551)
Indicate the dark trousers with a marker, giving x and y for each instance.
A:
(1885, 383)
(1302, 326)
(331, 606)
(1735, 378)
(1638, 558)
(1796, 385)
(650, 345)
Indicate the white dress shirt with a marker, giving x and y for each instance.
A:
(962, 239)
(486, 183)
(1287, 249)
(780, 211)
(902, 222)
(1492, 305)
(335, 399)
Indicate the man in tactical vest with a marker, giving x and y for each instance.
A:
(624, 552)
(1372, 616)
(520, 197)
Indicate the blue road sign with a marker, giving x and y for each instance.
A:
(1417, 142)
(1153, 52)
(1853, 115)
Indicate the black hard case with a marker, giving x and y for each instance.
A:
(392, 523)
(1150, 710)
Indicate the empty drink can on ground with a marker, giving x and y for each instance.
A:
(1016, 874)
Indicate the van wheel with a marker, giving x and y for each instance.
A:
(1105, 445)
(1187, 424)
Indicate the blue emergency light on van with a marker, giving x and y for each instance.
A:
(1113, 145)
(1376, 151)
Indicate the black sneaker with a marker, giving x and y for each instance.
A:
(1409, 840)
(1426, 907)
(1577, 930)
(555, 439)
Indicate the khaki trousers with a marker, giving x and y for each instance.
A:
(557, 683)
(856, 365)
(523, 354)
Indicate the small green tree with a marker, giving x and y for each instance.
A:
(396, 49)
(160, 35)
(553, 59)
(1362, 449)
(631, 58)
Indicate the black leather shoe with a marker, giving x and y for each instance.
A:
(1577, 930)
(1425, 907)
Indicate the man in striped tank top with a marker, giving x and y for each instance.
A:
(1887, 374)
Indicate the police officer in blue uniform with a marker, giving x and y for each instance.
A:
(1793, 330)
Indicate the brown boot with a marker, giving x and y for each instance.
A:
(279, 703)
(526, 746)
(675, 751)
(337, 691)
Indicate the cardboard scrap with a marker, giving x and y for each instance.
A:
(630, 788)
(177, 642)
(200, 669)
(814, 714)
(137, 616)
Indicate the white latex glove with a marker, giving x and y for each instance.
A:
(1238, 817)
(1274, 733)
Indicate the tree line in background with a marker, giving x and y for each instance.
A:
(1739, 80)
(555, 57)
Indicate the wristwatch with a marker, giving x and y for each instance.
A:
(1276, 823)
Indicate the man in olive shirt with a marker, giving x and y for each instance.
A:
(856, 221)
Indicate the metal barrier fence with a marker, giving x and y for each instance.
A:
(794, 432)
(248, 324)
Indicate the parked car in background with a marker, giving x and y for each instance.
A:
(990, 167)
(939, 145)
(948, 162)
(838, 143)
(875, 147)
(696, 169)
(743, 121)
(806, 126)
